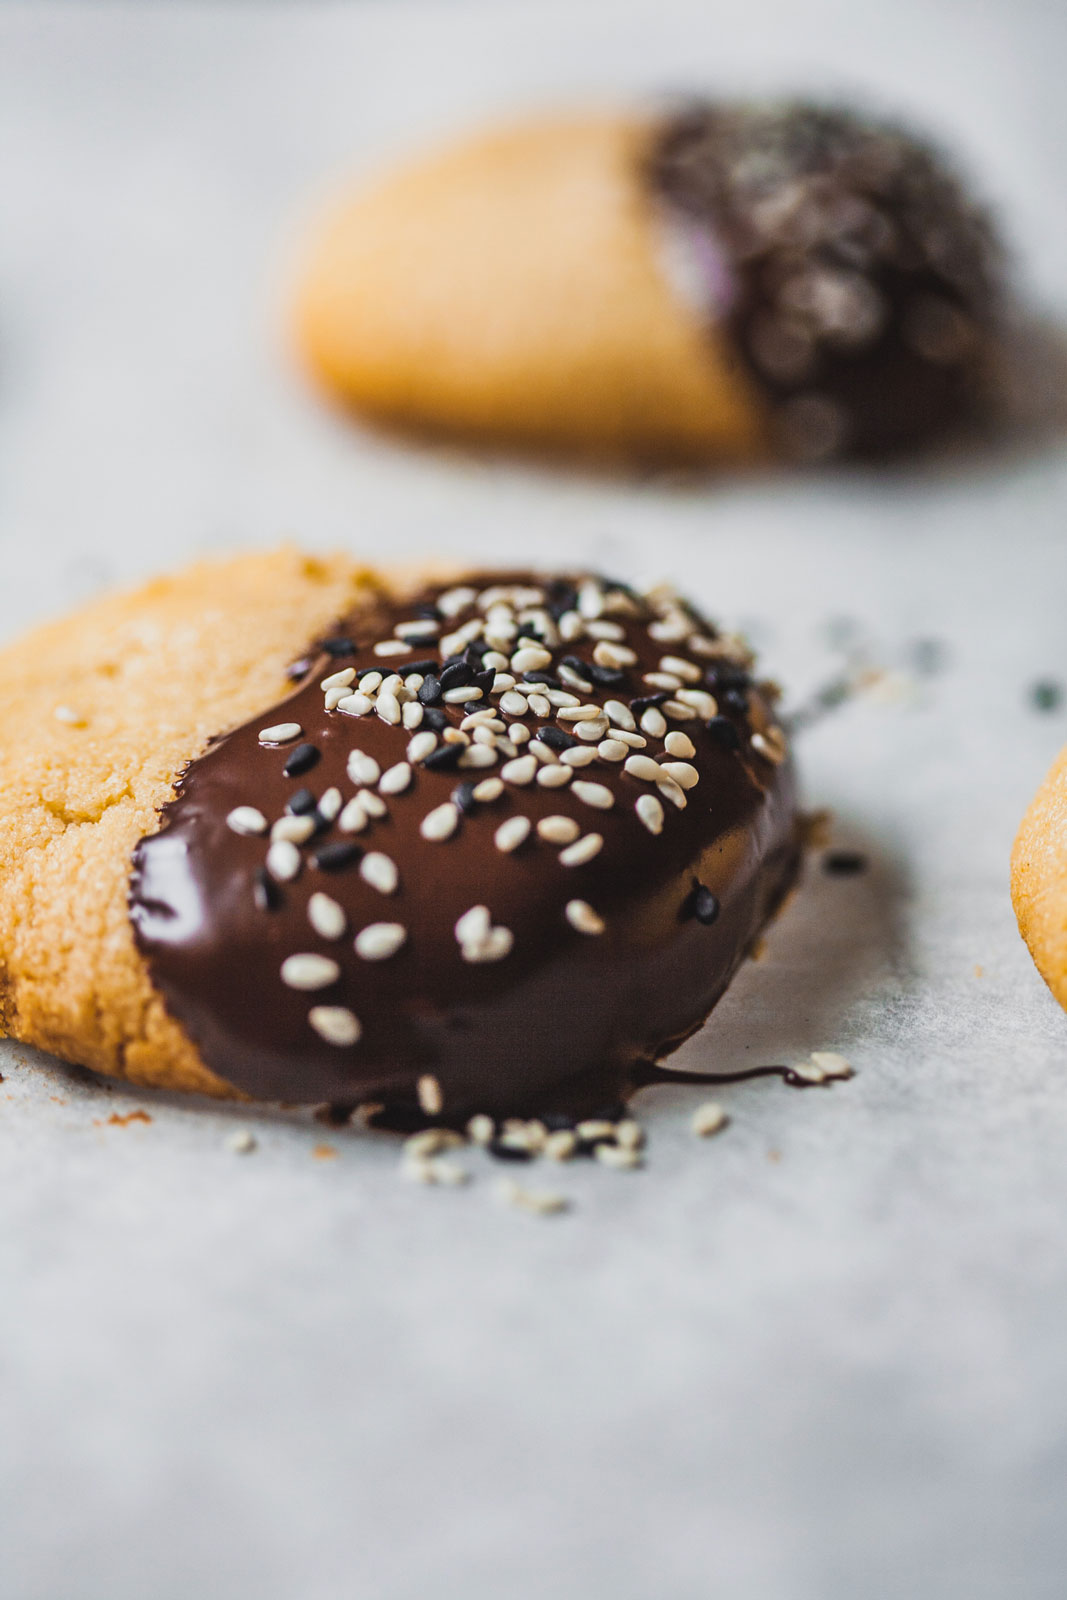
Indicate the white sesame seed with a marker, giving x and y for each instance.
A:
(495, 946)
(362, 768)
(558, 829)
(421, 746)
(567, 674)
(605, 630)
(687, 671)
(673, 792)
(380, 940)
(511, 833)
(473, 925)
(372, 803)
(591, 732)
(531, 658)
(596, 1128)
(653, 722)
(679, 711)
(297, 829)
(513, 704)
(355, 705)
(540, 705)
(421, 628)
(650, 812)
(571, 626)
(770, 744)
(479, 755)
(241, 1141)
(396, 779)
(629, 1134)
(583, 850)
(542, 754)
(612, 750)
(440, 823)
(808, 1072)
(431, 1141)
(411, 714)
(606, 654)
(431, 1099)
(498, 662)
(309, 971)
(330, 805)
(353, 818)
(283, 861)
(539, 1202)
(682, 772)
(519, 733)
(620, 714)
(623, 1160)
(832, 1064)
(280, 733)
(453, 601)
(339, 680)
(369, 682)
(489, 789)
(643, 767)
(388, 708)
(246, 820)
(380, 871)
(561, 699)
(522, 770)
(481, 1129)
(577, 756)
(583, 918)
(679, 744)
(336, 1024)
(669, 630)
(708, 1119)
(662, 680)
(460, 695)
(579, 713)
(699, 700)
(561, 1145)
(633, 741)
(590, 599)
(392, 647)
(556, 776)
(447, 1173)
(593, 794)
(326, 916)
(333, 698)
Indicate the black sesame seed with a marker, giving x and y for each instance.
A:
(1046, 695)
(298, 669)
(400, 1118)
(462, 797)
(724, 733)
(556, 739)
(560, 597)
(265, 892)
(429, 690)
(339, 645)
(606, 677)
(445, 758)
(508, 1152)
(577, 665)
(456, 676)
(644, 701)
(335, 857)
(428, 609)
(434, 719)
(557, 1121)
(302, 759)
(844, 863)
(702, 905)
(485, 680)
(474, 653)
(301, 803)
(429, 665)
(734, 700)
(471, 706)
(728, 675)
(542, 677)
(616, 1112)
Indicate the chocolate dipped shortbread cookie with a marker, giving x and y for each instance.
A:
(1039, 878)
(733, 283)
(278, 828)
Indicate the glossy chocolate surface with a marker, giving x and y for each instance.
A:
(860, 283)
(562, 1016)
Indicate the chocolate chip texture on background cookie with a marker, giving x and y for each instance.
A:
(726, 283)
(279, 829)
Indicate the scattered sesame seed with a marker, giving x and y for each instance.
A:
(617, 1156)
(497, 944)
(643, 767)
(326, 916)
(530, 658)
(339, 680)
(561, 1145)
(246, 820)
(337, 856)
(583, 918)
(336, 1024)
(558, 829)
(555, 777)
(653, 722)
(597, 795)
(388, 708)
(440, 823)
(650, 812)
(421, 746)
(477, 755)
(522, 770)
(380, 871)
(606, 654)
(362, 768)
(280, 733)
(453, 601)
(396, 779)
(309, 971)
(680, 745)
(703, 905)
(539, 1202)
(392, 647)
(265, 893)
(629, 1134)
(770, 744)
(372, 803)
(431, 1099)
(673, 792)
(708, 1119)
(412, 714)
(620, 714)
(583, 850)
(662, 680)
(330, 805)
(353, 818)
(241, 1142)
(283, 861)
(832, 1064)
(687, 671)
(592, 732)
(354, 705)
(682, 772)
(296, 829)
(488, 790)
(511, 833)
(431, 1141)
(612, 750)
(481, 1129)
(380, 940)
(303, 758)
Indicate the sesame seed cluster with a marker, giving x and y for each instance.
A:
(860, 282)
(418, 852)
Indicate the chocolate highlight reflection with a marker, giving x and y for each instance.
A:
(506, 842)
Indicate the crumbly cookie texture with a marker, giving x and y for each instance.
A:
(511, 290)
(1039, 878)
(101, 712)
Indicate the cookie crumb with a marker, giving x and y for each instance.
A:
(241, 1141)
(72, 718)
(708, 1119)
(324, 1152)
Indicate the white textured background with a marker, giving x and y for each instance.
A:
(821, 1358)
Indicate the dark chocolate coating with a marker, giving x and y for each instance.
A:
(860, 283)
(565, 1017)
